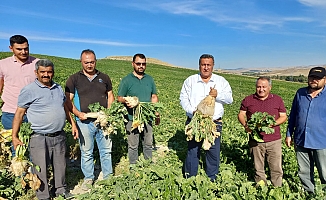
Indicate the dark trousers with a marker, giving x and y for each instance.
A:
(45, 151)
(133, 142)
(212, 156)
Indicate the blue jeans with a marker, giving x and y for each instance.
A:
(87, 133)
(306, 160)
(212, 156)
(6, 120)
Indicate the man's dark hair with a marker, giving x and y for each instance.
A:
(206, 56)
(140, 55)
(18, 39)
(87, 51)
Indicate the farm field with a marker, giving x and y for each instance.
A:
(163, 179)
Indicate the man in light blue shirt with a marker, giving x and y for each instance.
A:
(44, 102)
(195, 88)
(307, 127)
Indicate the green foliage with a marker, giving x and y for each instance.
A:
(261, 122)
(164, 178)
(24, 136)
(10, 186)
(148, 180)
(115, 114)
(144, 113)
(202, 127)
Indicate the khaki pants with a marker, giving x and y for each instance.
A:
(273, 152)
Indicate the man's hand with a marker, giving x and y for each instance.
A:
(16, 141)
(288, 141)
(213, 92)
(131, 101)
(82, 116)
(157, 119)
(129, 105)
(74, 132)
(247, 129)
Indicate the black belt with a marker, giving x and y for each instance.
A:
(215, 120)
(48, 134)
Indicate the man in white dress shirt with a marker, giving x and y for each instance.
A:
(195, 88)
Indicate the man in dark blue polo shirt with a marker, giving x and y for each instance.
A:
(307, 128)
(83, 88)
(141, 85)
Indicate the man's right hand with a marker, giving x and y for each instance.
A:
(16, 141)
(247, 129)
(288, 141)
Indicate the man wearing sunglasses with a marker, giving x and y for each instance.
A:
(141, 85)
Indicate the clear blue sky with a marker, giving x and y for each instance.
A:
(239, 33)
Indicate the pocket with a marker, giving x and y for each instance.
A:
(37, 141)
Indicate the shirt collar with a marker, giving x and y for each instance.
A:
(321, 92)
(269, 96)
(96, 72)
(28, 61)
(133, 75)
(44, 86)
(199, 79)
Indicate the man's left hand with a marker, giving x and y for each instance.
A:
(157, 119)
(213, 92)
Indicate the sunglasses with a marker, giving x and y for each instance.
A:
(139, 64)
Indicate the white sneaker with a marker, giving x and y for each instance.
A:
(87, 184)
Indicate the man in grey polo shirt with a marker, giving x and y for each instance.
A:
(44, 102)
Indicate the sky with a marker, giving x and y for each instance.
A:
(238, 33)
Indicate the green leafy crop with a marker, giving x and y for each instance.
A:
(261, 122)
(115, 115)
(144, 112)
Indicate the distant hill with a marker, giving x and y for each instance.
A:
(148, 60)
(289, 71)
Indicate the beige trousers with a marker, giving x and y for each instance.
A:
(273, 153)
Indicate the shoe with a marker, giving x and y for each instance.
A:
(260, 183)
(87, 184)
(65, 195)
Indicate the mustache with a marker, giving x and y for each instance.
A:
(45, 77)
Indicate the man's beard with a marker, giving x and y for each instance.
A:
(317, 87)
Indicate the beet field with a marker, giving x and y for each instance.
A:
(163, 178)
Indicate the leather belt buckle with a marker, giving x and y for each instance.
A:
(48, 134)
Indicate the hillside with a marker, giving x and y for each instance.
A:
(148, 60)
(289, 71)
(163, 178)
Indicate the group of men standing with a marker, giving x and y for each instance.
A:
(305, 128)
(305, 124)
(30, 93)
